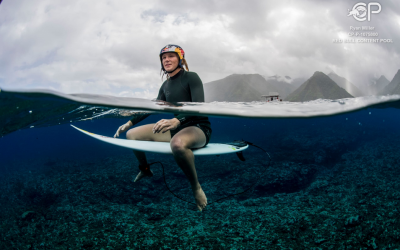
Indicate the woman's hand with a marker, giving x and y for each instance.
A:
(123, 128)
(166, 124)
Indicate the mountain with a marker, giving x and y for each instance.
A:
(318, 86)
(282, 84)
(294, 83)
(393, 87)
(347, 85)
(396, 91)
(233, 88)
(245, 88)
(297, 82)
(375, 86)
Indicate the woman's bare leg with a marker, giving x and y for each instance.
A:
(181, 144)
(145, 133)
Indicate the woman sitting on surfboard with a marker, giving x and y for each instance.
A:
(184, 132)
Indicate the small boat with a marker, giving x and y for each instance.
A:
(273, 96)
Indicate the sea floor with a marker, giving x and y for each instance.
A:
(351, 201)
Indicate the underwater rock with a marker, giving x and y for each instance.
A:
(288, 178)
(352, 221)
(156, 216)
(352, 204)
(28, 215)
(319, 156)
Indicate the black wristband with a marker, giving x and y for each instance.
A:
(181, 120)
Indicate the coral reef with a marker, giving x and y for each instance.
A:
(352, 203)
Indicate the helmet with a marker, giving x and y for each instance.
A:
(173, 48)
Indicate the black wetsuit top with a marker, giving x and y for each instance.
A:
(182, 87)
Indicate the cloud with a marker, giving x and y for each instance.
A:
(108, 47)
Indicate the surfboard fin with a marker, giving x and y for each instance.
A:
(240, 155)
(239, 143)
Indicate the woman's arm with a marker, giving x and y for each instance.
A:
(196, 92)
(140, 116)
(196, 88)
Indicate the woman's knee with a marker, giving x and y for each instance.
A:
(178, 145)
(132, 135)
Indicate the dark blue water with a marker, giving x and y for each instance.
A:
(64, 143)
(332, 184)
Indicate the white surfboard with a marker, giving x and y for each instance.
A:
(164, 147)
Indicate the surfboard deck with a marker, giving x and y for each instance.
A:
(164, 147)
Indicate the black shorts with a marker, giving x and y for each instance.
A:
(206, 130)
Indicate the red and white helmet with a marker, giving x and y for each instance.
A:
(173, 48)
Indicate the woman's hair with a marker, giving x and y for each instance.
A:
(165, 73)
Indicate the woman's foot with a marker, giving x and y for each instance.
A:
(141, 175)
(200, 196)
(144, 171)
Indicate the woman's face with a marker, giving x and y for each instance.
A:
(170, 61)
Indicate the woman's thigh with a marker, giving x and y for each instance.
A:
(189, 137)
(145, 133)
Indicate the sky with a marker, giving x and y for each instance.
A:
(112, 47)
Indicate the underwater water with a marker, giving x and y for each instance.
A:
(332, 182)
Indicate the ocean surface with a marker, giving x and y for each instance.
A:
(332, 182)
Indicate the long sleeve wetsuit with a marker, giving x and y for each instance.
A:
(182, 87)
